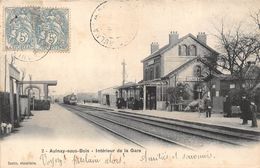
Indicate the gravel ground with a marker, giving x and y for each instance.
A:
(187, 139)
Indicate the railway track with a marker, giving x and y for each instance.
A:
(140, 129)
(226, 133)
(138, 137)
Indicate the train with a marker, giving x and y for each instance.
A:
(70, 99)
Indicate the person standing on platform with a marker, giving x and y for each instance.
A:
(245, 110)
(227, 107)
(253, 113)
(208, 106)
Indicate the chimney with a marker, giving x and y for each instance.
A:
(173, 37)
(154, 47)
(202, 37)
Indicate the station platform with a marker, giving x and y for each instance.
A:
(59, 124)
(216, 119)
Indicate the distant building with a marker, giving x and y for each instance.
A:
(108, 96)
(87, 97)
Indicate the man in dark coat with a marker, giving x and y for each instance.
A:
(227, 107)
(208, 106)
(245, 110)
(253, 112)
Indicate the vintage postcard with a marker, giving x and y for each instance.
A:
(129, 83)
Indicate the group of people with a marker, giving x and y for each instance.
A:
(130, 103)
(248, 110)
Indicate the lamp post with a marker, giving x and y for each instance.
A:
(33, 97)
(116, 94)
(181, 99)
(52, 96)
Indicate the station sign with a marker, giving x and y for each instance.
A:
(150, 62)
(193, 79)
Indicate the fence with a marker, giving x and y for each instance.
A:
(4, 107)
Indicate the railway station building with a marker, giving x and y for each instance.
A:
(182, 60)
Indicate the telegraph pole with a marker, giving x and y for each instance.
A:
(5, 72)
(124, 72)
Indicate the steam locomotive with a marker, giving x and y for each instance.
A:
(70, 99)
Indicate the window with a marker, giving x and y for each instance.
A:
(197, 71)
(232, 86)
(157, 60)
(161, 93)
(164, 95)
(217, 93)
(146, 76)
(192, 50)
(183, 50)
(151, 73)
(157, 71)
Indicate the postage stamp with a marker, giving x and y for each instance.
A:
(109, 24)
(36, 29)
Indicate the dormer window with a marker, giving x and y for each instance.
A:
(183, 50)
(192, 50)
(197, 71)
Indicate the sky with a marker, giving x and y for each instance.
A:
(89, 66)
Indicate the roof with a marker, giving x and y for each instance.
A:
(169, 46)
(153, 82)
(108, 88)
(141, 83)
(180, 67)
(127, 85)
(190, 61)
(227, 77)
(250, 73)
(48, 82)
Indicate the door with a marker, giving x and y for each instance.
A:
(107, 100)
(151, 98)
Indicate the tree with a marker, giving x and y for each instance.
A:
(252, 74)
(238, 48)
(256, 18)
(178, 93)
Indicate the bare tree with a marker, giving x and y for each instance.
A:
(238, 48)
(256, 18)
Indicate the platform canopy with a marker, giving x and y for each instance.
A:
(45, 84)
(49, 82)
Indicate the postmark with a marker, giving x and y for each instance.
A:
(114, 24)
(36, 29)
